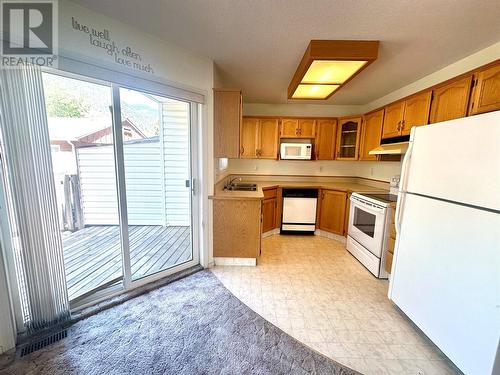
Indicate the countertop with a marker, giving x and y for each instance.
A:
(343, 185)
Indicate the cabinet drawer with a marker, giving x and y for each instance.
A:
(270, 193)
(390, 245)
(388, 262)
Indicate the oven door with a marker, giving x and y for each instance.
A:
(366, 225)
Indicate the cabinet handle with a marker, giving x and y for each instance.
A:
(242, 150)
(402, 124)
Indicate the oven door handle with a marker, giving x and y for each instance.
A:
(367, 206)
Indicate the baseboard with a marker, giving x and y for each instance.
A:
(271, 232)
(227, 261)
(331, 236)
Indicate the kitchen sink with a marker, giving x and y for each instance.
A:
(242, 187)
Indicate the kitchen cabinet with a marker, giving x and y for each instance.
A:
(486, 94)
(392, 119)
(269, 209)
(227, 122)
(348, 132)
(347, 213)
(267, 139)
(417, 108)
(298, 128)
(391, 240)
(371, 130)
(451, 100)
(401, 116)
(248, 138)
(259, 138)
(325, 139)
(332, 211)
(236, 228)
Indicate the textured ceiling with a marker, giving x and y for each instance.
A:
(257, 44)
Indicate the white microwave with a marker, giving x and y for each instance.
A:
(296, 151)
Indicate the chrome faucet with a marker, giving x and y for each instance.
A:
(229, 184)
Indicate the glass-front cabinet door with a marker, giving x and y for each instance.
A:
(348, 138)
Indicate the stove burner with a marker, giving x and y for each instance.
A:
(383, 197)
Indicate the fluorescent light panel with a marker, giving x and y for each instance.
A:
(314, 91)
(331, 71)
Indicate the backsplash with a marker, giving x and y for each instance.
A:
(382, 171)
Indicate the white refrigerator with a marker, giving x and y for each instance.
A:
(446, 270)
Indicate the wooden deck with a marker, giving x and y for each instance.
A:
(93, 257)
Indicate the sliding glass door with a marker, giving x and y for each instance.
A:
(122, 162)
(156, 154)
(82, 149)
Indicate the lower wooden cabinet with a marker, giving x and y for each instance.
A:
(332, 211)
(392, 240)
(237, 228)
(269, 209)
(347, 213)
(486, 94)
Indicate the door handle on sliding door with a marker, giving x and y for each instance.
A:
(191, 184)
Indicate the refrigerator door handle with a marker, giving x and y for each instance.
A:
(406, 167)
(402, 190)
(399, 210)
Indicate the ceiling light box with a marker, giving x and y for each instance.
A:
(327, 65)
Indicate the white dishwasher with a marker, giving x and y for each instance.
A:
(299, 211)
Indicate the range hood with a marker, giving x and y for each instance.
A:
(398, 148)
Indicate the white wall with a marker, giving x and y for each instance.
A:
(172, 65)
(298, 109)
(382, 171)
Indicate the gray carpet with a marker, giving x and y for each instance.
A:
(192, 326)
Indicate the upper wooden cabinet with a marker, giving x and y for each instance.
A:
(371, 130)
(486, 94)
(289, 128)
(307, 128)
(332, 211)
(450, 101)
(227, 122)
(259, 138)
(392, 119)
(401, 116)
(325, 139)
(248, 138)
(417, 109)
(267, 139)
(348, 132)
(298, 128)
